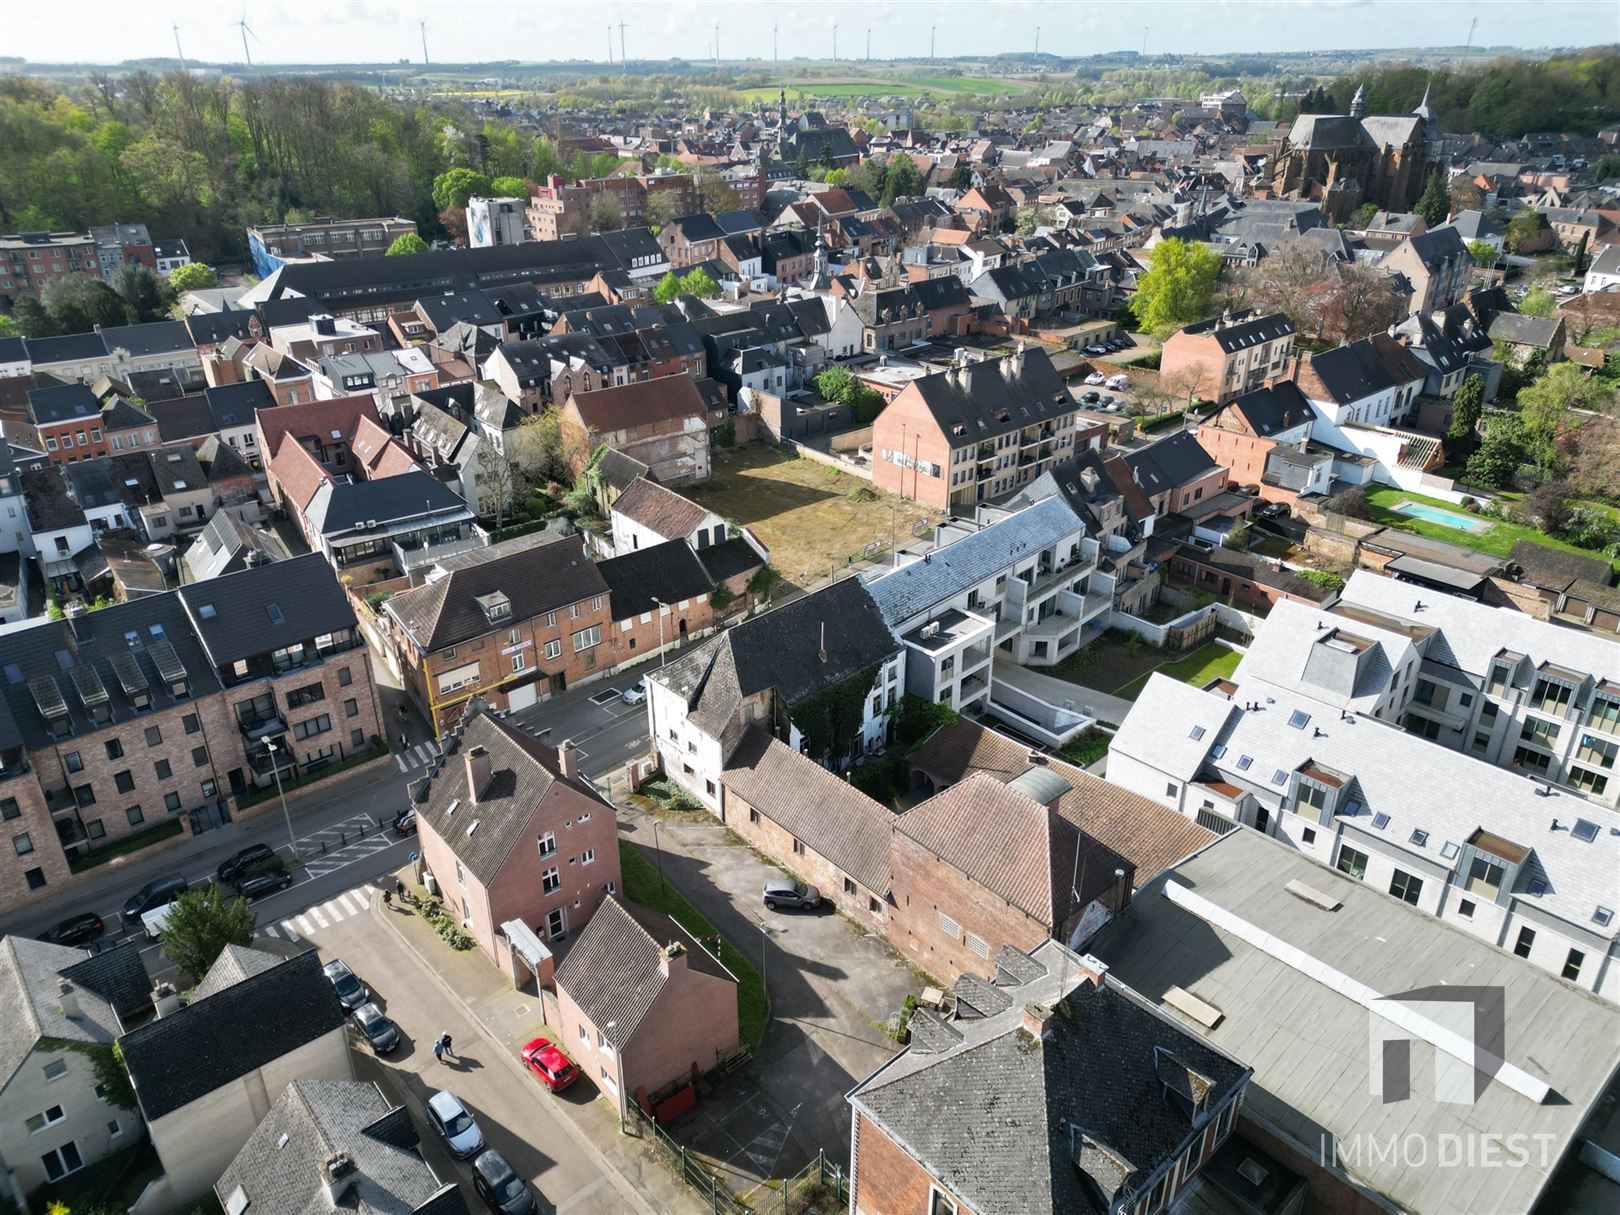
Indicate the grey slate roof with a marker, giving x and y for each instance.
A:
(999, 1116)
(1253, 331)
(63, 403)
(28, 974)
(1170, 462)
(208, 1043)
(1274, 409)
(1520, 330)
(234, 405)
(118, 975)
(729, 558)
(668, 572)
(236, 963)
(227, 545)
(535, 580)
(352, 505)
(611, 972)
(918, 587)
(982, 400)
(279, 1168)
(304, 589)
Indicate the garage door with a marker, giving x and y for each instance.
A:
(522, 698)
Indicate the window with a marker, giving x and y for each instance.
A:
(306, 695)
(551, 620)
(312, 727)
(1465, 908)
(1541, 733)
(191, 723)
(163, 770)
(38, 1122)
(586, 638)
(1534, 761)
(351, 708)
(154, 736)
(23, 843)
(950, 927)
(978, 945)
(62, 1161)
(56, 1069)
(1527, 938)
(1307, 836)
(753, 816)
(9, 809)
(199, 757)
(357, 738)
(171, 802)
(553, 649)
(1352, 862)
(551, 881)
(1406, 887)
(938, 1204)
(209, 789)
(85, 795)
(115, 750)
(548, 845)
(1549, 696)
(798, 847)
(124, 781)
(1485, 877)
(588, 857)
(1604, 715)
(1572, 965)
(461, 876)
(1420, 838)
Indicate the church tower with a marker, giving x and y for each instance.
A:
(1358, 103)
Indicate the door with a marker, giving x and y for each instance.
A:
(557, 923)
(522, 698)
(1261, 819)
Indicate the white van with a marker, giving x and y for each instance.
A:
(1119, 382)
(156, 920)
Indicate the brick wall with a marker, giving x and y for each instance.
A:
(752, 823)
(693, 1022)
(887, 1180)
(1243, 455)
(923, 886)
(907, 427)
(1194, 360)
(583, 828)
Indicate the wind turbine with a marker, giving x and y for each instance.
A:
(246, 30)
(424, 44)
(622, 59)
(177, 49)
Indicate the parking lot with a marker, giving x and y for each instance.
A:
(832, 989)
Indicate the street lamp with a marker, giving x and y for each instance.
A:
(765, 957)
(271, 746)
(662, 655)
(658, 848)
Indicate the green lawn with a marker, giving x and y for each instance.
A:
(1205, 663)
(1498, 539)
(641, 885)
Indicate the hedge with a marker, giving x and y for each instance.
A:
(126, 845)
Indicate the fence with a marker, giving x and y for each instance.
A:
(688, 1166)
(820, 1188)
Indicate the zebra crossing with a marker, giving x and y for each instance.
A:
(421, 755)
(307, 923)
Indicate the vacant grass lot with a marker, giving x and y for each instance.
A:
(1498, 540)
(1205, 663)
(810, 516)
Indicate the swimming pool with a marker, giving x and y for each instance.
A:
(1445, 518)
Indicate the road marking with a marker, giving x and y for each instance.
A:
(332, 909)
(303, 926)
(287, 930)
(343, 900)
(315, 914)
(269, 930)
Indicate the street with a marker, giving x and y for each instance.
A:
(605, 730)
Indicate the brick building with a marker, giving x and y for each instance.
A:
(662, 595)
(272, 245)
(1228, 356)
(643, 1007)
(1242, 433)
(556, 210)
(512, 630)
(30, 260)
(516, 838)
(975, 432)
(664, 423)
(68, 419)
(117, 721)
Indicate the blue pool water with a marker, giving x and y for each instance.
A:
(1445, 518)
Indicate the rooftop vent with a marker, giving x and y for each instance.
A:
(1312, 895)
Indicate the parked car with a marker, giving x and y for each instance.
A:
(157, 893)
(1096, 377)
(405, 821)
(350, 990)
(1095, 349)
(1089, 398)
(635, 693)
(1119, 382)
(76, 930)
(1106, 401)
(249, 858)
(382, 1033)
(451, 1119)
(500, 1187)
(780, 892)
(256, 885)
(555, 1070)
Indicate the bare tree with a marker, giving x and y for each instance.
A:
(1363, 301)
(1289, 281)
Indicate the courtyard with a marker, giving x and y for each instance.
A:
(1119, 664)
(815, 519)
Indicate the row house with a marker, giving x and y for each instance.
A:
(975, 432)
(272, 245)
(1437, 264)
(691, 240)
(117, 721)
(511, 630)
(892, 318)
(1223, 358)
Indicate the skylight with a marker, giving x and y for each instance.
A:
(273, 610)
(1584, 830)
(1244, 762)
(1603, 916)
(1420, 838)
(1299, 719)
(1197, 733)
(1279, 777)
(1449, 850)
(1537, 886)
(207, 612)
(1380, 820)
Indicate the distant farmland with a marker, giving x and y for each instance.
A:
(884, 86)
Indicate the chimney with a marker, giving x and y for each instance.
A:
(478, 773)
(337, 1174)
(165, 1002)
(673, 959)
(1094, 968)
(68, 997)
(1037, 1019)
(568, 760)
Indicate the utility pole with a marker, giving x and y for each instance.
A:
(1144, 39)
(1037, 40)
(1472, 26)
(610, 44)
(717, 45)
(773, 42)
(835, 42)
(424, 44)
(869, 44)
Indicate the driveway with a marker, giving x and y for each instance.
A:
(606, 732)
(832, 989)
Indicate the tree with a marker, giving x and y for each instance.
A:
(147, 296)
(78, 303)
(1028, 219)
(1608, 166)
(1363, 216)
(193, 276)
(835, 384)
(8, 327)
(201, 924)
(454, 221)
(1361, 301)
(1434, 203)
(1538, 301)
(900, 179)
(1580, 256)
(407, 242)
(667, 289)
(1524, 230)
(1549, 507)
(825, 160)
(697, 282)
(1483, 253)
(714, 192)
(454, 187)
(867, 403)
(1595, 469)
(1288, 280)
(32, 319)
(961, 178)
(1498, 458)
(1462, 432)
(662, 207)
(1546, 404)
(1465, 194)
(1352, 503)
(1175, 291)
(508, 187)
(606, 213)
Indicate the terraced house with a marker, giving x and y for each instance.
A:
(161, 710)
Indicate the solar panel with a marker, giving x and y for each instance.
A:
(129, 673)
(168, 662)
(48, 696)
(91, 690)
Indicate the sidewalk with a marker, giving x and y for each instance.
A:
(510, 1018)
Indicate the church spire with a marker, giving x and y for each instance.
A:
(1358, 103)
(1423, 110)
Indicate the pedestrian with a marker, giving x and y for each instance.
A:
(399, 888)
(445, 1042)
(438, 1050)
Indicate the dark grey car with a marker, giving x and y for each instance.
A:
(780, 892)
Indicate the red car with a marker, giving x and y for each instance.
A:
(549, 1064)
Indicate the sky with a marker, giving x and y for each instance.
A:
(359, 31)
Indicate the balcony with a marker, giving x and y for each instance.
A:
(256, 726)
